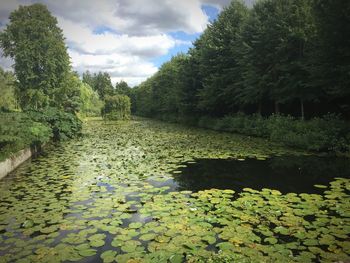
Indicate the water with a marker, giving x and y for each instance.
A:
(153, 173)
(288, 174)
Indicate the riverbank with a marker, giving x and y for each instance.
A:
(11, 163)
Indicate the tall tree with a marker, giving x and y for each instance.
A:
(35, 42)
(122, 88)
(8, 99)
(218, 59)
(89, 78)
(331, 59)
(100, 82)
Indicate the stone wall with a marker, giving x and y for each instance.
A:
(14, 161)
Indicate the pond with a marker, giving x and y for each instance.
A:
(146, 191)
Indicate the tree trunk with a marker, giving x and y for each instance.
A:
(277, 108)
(302, 109)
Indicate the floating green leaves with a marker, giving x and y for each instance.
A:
(108, 256)
(103, 196)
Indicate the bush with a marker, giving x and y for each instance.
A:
(19, 130)
(328, 133)
(247, 124)
(318, 134)
(117, 107)
(207, 122)
(64, 125)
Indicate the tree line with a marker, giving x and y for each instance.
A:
(280, 56)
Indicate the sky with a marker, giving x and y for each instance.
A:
(129, 39)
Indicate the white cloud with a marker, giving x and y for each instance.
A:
(106, 43)
(154, 16)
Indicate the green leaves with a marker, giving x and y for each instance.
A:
(87, 252)
(108, 256)
(117, 107)
(97, 240)
(35, 42)
(74, 203)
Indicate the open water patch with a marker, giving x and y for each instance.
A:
(288, 174)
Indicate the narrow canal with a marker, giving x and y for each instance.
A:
(146, 191)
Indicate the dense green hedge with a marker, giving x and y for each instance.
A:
(328, 133)
(19, 130)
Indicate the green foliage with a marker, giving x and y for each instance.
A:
(18, 130)
(328, 133)
(64, 125)
(67, 97)
(91, 104)
(254, 125)
(34, 128)
(8, 99)
(35, 42)
(100, 82)
(281, 56)
(116, 107)
(331, 56)
(122, 88)
(216, 52)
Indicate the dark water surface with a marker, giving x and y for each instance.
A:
(288, 174)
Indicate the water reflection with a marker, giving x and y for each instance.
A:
(296, 174)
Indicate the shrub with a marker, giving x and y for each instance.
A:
(207, 122)
(117, 107)
(18, 131)
(328, 133)
(64, 125)
(318, 134)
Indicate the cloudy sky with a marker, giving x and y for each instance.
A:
(129, 39)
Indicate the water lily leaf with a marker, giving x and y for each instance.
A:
(108, 256)
(320, 186)
(135, 225)
(176, 258)
(209, 239)
(271, 240)
(310, 242)
(28, 223)
(147, 237)
(130, 246)
(87, 252)
(97, 243)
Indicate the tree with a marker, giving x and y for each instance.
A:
(122, 88)
(117, 107)
(331, 57)
(89, 78)
(217, 55)
(8, 99)
(35, 42)
(67, 97)
(288, 53)
(299, 33)
(100, 82)
(90, 103)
